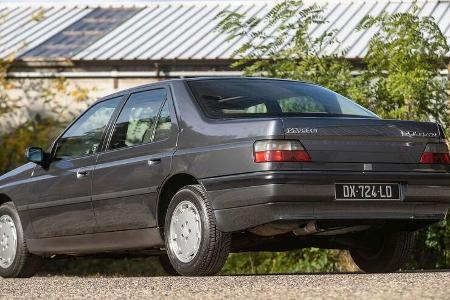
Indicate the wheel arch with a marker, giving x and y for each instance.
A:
(169, 188)
(4, 198)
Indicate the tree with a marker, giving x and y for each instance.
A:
(280, 45)
(400, 79)
(36, 117)
(403, 61)
(403, 82)
(35, 114)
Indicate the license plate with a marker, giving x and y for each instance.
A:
(367, 191)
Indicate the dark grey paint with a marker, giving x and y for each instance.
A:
(63, 203)
(361, 140)
(219, 154)
(126, 181)
(125, 185)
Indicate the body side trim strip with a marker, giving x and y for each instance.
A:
(126, 193)
(77, 200)
(146, 238)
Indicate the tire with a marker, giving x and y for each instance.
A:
(388, 255)
(165, 263)
(24, 264)
(212, 245)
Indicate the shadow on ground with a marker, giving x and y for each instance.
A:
(143, 267)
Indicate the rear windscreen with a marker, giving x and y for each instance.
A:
(234, 98)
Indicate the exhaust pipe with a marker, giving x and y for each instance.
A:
(310, 228)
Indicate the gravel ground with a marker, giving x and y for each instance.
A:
(416, 285)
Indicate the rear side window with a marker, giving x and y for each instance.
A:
(137, 120)
(228, 98)
(164, 124)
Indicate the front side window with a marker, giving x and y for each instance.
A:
(85, 135)
(242, 98)
(137, 120)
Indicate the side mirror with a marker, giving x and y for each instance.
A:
(35, 155)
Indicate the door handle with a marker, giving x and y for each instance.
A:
(153, 161)
(82, 174)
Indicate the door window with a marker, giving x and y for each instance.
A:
(136, 122)
(85, 135)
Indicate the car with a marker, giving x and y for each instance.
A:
(192, 169)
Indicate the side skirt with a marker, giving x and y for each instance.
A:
(136, 239)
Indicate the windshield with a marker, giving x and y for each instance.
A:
(234, 98)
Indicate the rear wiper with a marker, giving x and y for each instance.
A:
(221, 99)
(230, 99)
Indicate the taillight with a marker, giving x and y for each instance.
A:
(279, 151)
(435, 154)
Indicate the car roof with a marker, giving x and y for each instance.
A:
(239, 77)
(149, 85)
(142, 86)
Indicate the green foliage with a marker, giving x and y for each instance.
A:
(37, 131)
(279, 45)
(39, 15)
(5, 102)
(400, 80)
(433, 249)
(299, 261)
(14, 144)
(305, 260)
(403, 63)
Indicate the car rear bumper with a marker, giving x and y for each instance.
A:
(247, 200)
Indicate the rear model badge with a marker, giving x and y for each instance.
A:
(306, 130)
(418, 134)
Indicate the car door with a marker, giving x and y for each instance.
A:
(136, 161)
(63, 203)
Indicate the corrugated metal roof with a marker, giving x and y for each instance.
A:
(182, 30)
(79, 35)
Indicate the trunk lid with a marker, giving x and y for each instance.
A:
(362, 140)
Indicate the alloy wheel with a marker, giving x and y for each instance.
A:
(8, 241)
(185, 231)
